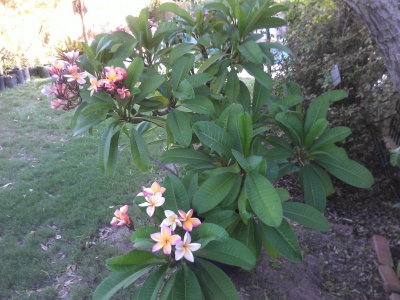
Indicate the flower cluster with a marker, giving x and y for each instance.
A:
(166, 238)
(67, 78)
(111, 82)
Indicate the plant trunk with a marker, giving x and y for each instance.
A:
(85, 37)
(1, 67)
(382, 18)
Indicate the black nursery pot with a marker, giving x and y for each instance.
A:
(27, 76)
(20, 75)
(10, 81)
(43, 71)
(2, 84)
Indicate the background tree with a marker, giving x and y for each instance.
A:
(80, 9)
(382, 18)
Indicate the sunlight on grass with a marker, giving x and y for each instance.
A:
(56, 188)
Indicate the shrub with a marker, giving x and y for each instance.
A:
(226, 203)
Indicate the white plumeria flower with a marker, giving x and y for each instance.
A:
(185, 248)
(153, 201)
(171, 220)
(155, 187)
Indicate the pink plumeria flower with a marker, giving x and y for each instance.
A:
(164, 240)
(153, 201)
(78, 77)
(55, 104)
(121, 218)
(155, 187)
(72, 56)
(187, 220)
(94, 85)
(171, 220)
(48, 91)
(112, 74)
(123, 92)
(72, 69)
(185, 248)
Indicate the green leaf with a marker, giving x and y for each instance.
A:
(267, 245)
(208, 232)
(333, 96)
(213, 191)
(199, 104)
(246, 132)
(129, 261)
(291, 126)
(141, 237)
(148, 86)
(186, 286)
(152, 284)
(104, 145)
(205, 289)
(277, 141)
(223, 218)
(278, 46)
(235, 126)
(167, 288)
(283, 195)
(210, 61)
(269, 22)
(315, 131)
(324, 177)
(291, 88)
(109, 286)
(259, 75)
(134, 71)
(139, 151)
(190, 181)
(305, 215)
(252, 52)
(186, 156)
(179, 50)
(395, 157)
(260, 97)
(231, 252)
(111, 165)
(125, 50)
(331, 136)
(180, 127)
(244, 207)
(181, 69)
(199, 79)
(175, 194)
(316, 111)
(290, 100)
(215, 137)
(350, 172)
(284, 240)
(83, 123)
(264, 199)
(232, 86)
(87, 49)
(244, 97)
(218, 282)
(106, 42)
(246, 236)
(95, 107)
(314, 191)
(277, 154)
(272, 170)
(184, 91)
(84, 64)
(172, 7)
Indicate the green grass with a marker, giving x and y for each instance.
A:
(57, 188)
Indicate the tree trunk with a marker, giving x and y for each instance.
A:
(382, 18)
(85, 37)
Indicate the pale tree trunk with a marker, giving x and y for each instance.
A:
(85, 37)
(382, 18)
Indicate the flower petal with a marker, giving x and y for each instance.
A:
(150, 210)
(187, 225)
(162, 190)
(175, 239)
(124, 209)
(196, 222)
(167, 248)
(189, 214)
(169, 213)
(157, 246)
(166, 232)
(179, 254)
(188, 255)
(157, 237)
(187, 239)
(183, 215)
(155, 187)
(144, 204)
(114, 221)
(194, 246)
(158, 201)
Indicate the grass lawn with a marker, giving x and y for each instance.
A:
(56, 189)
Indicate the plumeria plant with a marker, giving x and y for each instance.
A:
(232, 145)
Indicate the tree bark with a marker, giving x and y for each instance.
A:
(85, 37)
(382, 18)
